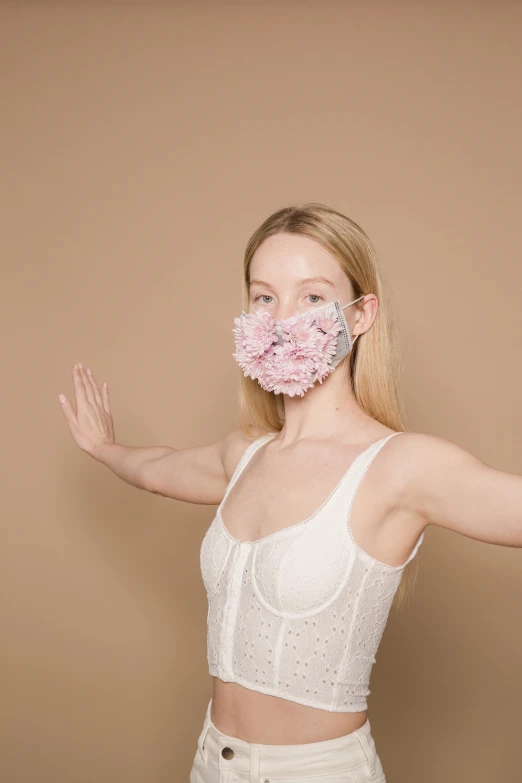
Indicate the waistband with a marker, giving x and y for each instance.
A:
(337, 755)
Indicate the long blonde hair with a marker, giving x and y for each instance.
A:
(374, 363)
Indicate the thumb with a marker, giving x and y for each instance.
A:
(66, 406)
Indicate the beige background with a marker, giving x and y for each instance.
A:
(142, 144)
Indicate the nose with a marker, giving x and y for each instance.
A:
(285, 311)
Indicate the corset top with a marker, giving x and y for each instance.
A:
(299, 613)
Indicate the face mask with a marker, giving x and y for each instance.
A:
(289, 356)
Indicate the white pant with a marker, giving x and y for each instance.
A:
(221, 758)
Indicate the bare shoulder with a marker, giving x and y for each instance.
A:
(422, 451)
(234, 446)
(425, 465)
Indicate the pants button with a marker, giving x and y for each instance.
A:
(227, 753)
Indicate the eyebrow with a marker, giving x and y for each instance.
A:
(305, 281)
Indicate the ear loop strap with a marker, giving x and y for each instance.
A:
(351, 303)
(354, 301)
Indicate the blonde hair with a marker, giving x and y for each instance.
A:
(374, 363)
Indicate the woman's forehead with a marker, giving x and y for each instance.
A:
(290, 259)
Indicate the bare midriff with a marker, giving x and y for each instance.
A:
(380, 527)
(269, 720)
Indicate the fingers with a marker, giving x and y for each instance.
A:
(79, 388)
(92, 422)
(89, 393)
(101, 397)
(85, 387)
(105, 397)
(67, 409)
(92, 380)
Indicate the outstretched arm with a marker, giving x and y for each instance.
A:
(199, 474)
(452, 488)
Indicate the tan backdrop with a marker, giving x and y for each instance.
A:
(143, 142)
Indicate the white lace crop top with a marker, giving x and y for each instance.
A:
(299, 613)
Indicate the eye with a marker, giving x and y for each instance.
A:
(263, 297)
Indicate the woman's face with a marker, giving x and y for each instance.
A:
(291, 273)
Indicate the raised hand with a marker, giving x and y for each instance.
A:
(195, 475)
(91, 424)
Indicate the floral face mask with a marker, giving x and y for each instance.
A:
(289, 356)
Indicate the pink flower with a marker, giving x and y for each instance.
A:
(302, 356)
(328, 324)
(254, 336)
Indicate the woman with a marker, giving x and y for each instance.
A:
(304, 558)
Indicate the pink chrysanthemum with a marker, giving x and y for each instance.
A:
(254, 336)
(328, 324)
(302, 356)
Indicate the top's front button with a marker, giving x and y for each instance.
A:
(227, 753)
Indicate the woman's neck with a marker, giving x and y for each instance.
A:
(326, 409)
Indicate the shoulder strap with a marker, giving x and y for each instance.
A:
(417, 545)
(366, 458)
(360, 466)
(357, 470)
(245, 459)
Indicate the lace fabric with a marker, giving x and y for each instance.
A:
(300, 613)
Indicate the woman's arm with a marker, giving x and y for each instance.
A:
(199, 474)
(196, 475)
(452, 488)
(127, 462)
